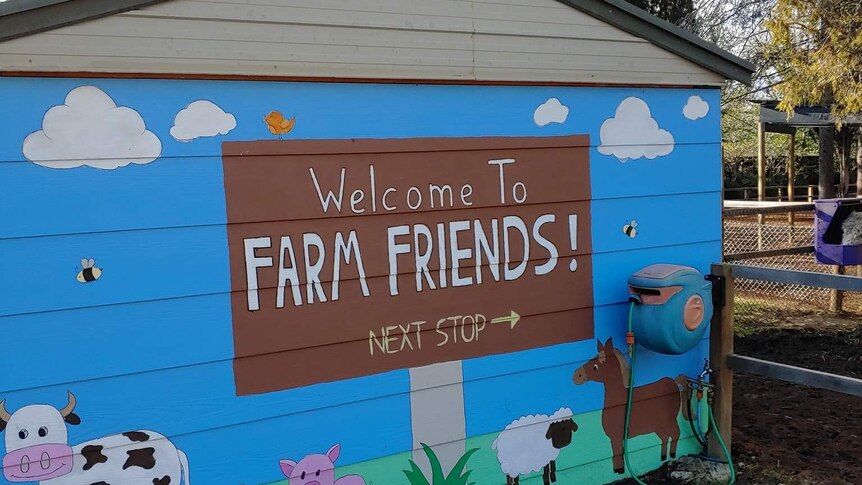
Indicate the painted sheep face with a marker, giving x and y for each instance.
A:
(560, 433)
(315, 469)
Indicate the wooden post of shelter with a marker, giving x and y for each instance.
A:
(721, 345)
(791, 179)
(761, 178)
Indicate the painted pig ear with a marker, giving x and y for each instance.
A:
(287, 467)
(334, 452)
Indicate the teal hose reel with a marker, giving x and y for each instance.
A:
(671, 306)
(675, 307)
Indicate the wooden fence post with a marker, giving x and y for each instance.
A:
(836, 297)
(810, 194)
(721, 345)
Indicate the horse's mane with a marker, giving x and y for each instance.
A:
(625, 371)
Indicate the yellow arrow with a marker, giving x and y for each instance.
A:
(512, 319)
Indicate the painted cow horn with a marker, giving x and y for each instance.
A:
(4, 414)
(69, 407)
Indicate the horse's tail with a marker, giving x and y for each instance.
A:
(684, 397)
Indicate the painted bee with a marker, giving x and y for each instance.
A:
(630, 229)
(90, 273)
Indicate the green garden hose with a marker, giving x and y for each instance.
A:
(633, 352)
(723, 446)
(629, 403)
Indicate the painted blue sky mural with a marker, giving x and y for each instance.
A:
(149, 345)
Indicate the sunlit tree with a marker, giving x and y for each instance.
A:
(818, 46)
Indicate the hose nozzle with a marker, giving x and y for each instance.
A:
(630, 341)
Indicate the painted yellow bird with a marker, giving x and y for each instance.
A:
(277, 124)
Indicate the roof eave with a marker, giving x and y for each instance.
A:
(26, 17)
(668, 36)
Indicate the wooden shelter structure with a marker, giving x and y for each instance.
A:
(772, 120)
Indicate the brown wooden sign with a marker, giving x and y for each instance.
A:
(354, 257)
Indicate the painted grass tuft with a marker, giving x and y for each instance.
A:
(457, 476)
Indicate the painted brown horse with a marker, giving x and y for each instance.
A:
(656, 405)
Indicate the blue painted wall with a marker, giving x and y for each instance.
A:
(150, 344)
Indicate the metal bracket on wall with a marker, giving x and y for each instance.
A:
(719, 291)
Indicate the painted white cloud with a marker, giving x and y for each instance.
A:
(632, 133)
(696, 108)
(90, 129)
(551, 111)
(201, 118)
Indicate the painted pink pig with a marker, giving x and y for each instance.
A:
(317, 469)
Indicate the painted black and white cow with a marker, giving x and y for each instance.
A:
(37, 450)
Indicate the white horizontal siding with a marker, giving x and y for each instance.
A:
(486, 40)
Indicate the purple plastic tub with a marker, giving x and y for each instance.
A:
(829, 215)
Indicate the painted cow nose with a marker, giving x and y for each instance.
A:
(38, 463)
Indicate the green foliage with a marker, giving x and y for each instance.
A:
(817, 46)
(457, 476)
(674, 11)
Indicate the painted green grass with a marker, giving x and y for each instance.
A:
(587, 460)
(456, 476)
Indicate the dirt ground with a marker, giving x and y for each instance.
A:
(790, 434)
(785, 433)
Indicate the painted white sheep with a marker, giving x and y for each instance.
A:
(533, 443)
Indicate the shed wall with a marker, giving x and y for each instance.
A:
(489, 40)
(151, 343)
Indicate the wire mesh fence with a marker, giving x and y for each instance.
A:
(783, 241)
